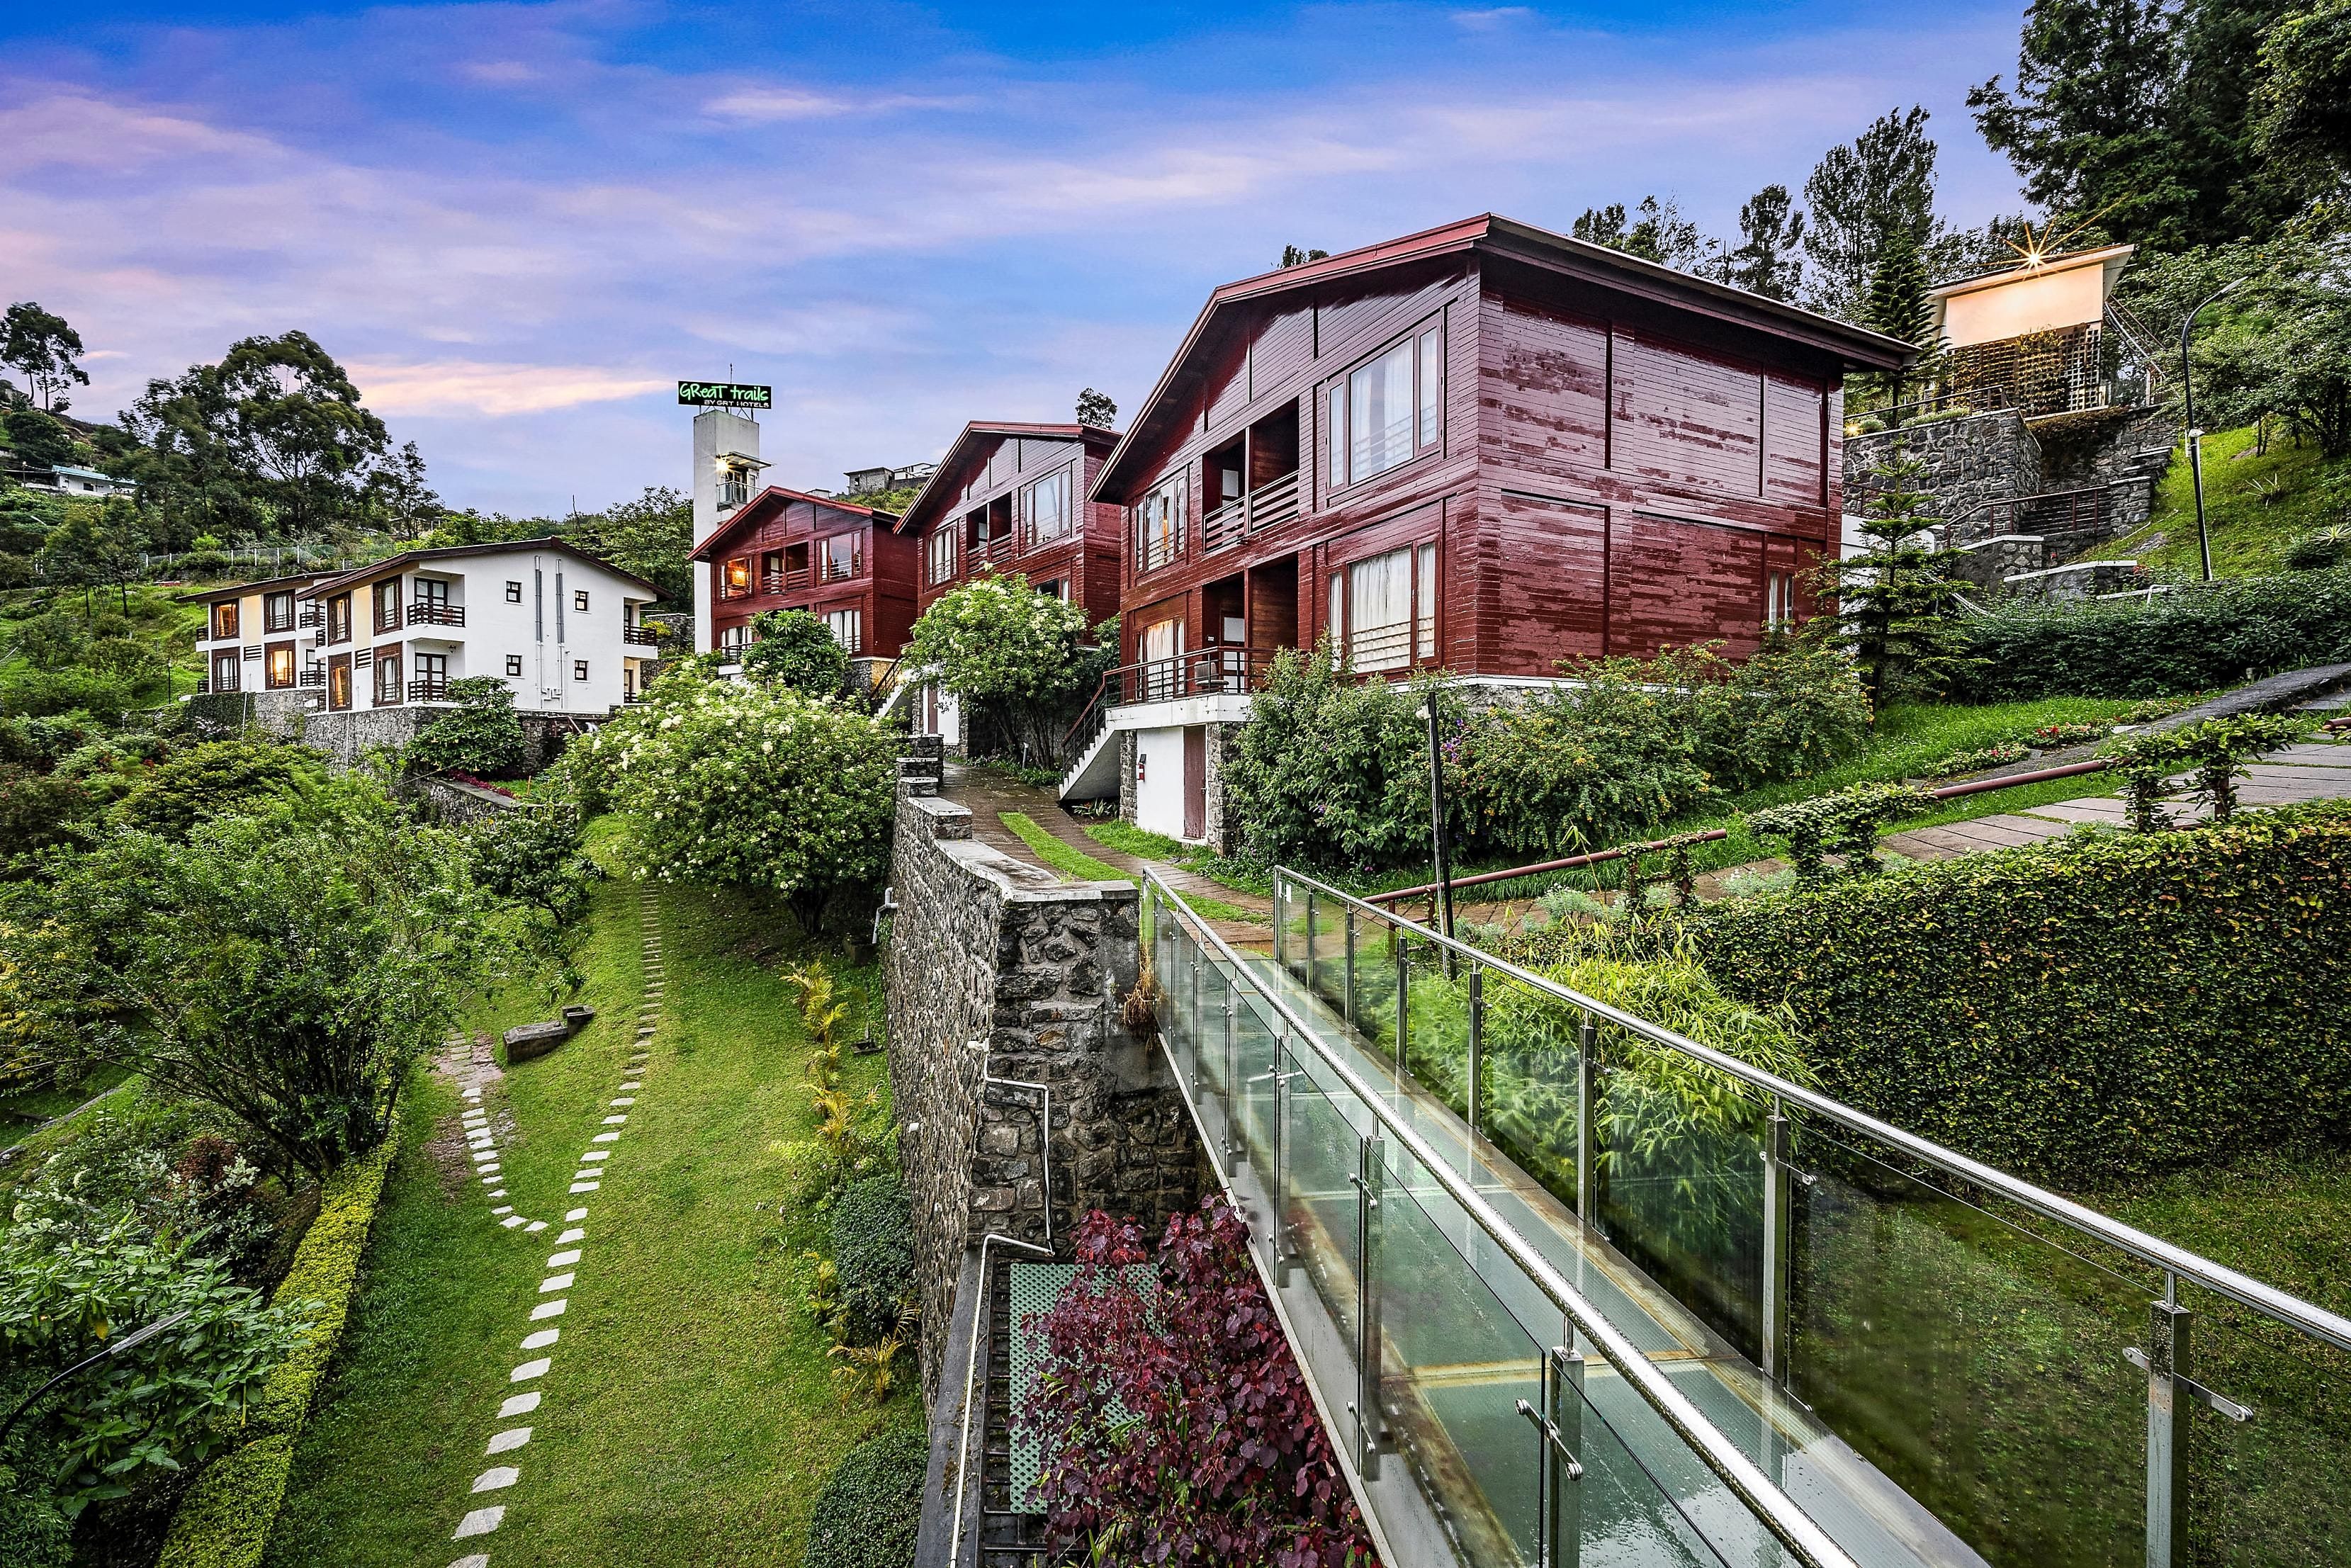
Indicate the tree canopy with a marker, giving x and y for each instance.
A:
(38, 345)
(1015, 653)
(650, 537)
(794, 649)
(1863, 197)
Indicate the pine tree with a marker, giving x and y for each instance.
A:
(1859, 198)
(1769, 259)
(1899, 605)
(1898, 304)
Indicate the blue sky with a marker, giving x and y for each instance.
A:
(520, 225)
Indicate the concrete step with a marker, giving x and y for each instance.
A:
(1094, 775)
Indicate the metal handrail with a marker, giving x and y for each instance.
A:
(1789, 1524)
(2242, 1289)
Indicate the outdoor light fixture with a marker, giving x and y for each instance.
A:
(1428, 714)
(2188, 418)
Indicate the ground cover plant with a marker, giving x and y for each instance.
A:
(480, 736)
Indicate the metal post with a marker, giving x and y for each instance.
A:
(1775, 1247)
(1587, 1099)
(2188, 423)
(1280, 920)
(1369, 1421)
(1236, 1146)
(1476, 1093)
(2167, 1331)
(1310, 939)
(1280, 1228)
(1349, 1011)
(1564, 1475)
(1192, 1017)
(1403, 1000)
(1438, 840)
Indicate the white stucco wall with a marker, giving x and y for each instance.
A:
(1159, 780)
(717, 432)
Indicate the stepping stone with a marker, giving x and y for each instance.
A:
(563, 1259)
(508, 1441)
(539, 1338)
(496, 1191)
(586, 1185)
(498, 1478)
(606, 1138)
(481, 1521)
(575, 1234)
(479, 1560)
(593, 1154)
(530, 1369)
(519, 1404)
(481, 1155)
(633, 1085)
(590, 1174)
(503, 1208)
(546, 1310)
(615, 1120)
(511, 1221)
(575, 1214)
(625, 1100)
(535, 1225)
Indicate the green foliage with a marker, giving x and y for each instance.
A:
(2101, 1005)
(1846, 822)
(534, 858)
(2215, 749)
(873, 1252)
(1572, 767)
(1793, 708)
(650, 537)
(794, 648)
(226, 1519)
(867, 1515)
(480, 736)
(287, 968)
(1864, 197)
(1898, 603)
(2195, 639)
(1660, 234)
(214, 776)
(2282, 344)
(1960, 763)
(41, 347)
(748, 783)
(1329, 770)
(1015, 655)
(37, 439)
(2305, 101)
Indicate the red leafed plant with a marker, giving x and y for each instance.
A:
(1175, 1426)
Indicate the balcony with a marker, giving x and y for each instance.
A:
(833, 571)
(777, 582)
(434, 612)
(310, 615)
(1268, 506)
(1002, 548)
(312, 675)
(641, 636)
(432, 689)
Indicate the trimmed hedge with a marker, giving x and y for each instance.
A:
(226, 1517)
(2096, 1008)
(2195, 640)
(871, 1505)
(873, 1250)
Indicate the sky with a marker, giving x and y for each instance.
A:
(518, 226)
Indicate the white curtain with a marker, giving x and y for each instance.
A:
(1379, 611)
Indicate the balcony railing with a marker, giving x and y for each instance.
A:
(1212, 671)
(435, 613)
(312, 675)
(830, 570)
(1002, 546)
(1268, 506)
(310, 614)
(430, 689)
(641, 636)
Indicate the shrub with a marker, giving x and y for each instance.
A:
(1846, 822)
(1017, 656)
(2050, 734)
(2217, 749)
(1573, 766)
(1963, 762)
(794, 649)
(873, 1257)
(761, 785)
(1793, 708)
(2098, 1007)
(2193, 640)
(212, 778)
(2320, 548)
(1143, 1460)
(535, 858)
(1330, 771)
(480, 736)
(872, 1504)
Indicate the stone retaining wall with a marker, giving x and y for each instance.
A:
(998, 968)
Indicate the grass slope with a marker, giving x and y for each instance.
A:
(689, 1417)
(2255, 506)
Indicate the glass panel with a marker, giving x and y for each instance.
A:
(1979, 1366)
(2264, 1491)
(1624, 1516)
(1320, 1157)
(1680, 1164)
(1530, 1061)
(1335, 427)
(1455, 1366)
(1380, 412)
(1432, 383)
(1437, 1054)
(1375, 984)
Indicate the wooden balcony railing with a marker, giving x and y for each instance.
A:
(643, 636)
(431, 612)
(832, 570)
(435, 689)
(310, 615)
(1268, 506)
(1226, 670)
(312, 675)
(1003, 547)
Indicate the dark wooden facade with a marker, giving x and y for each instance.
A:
(981, 512)
(1605, 456)
(786, 550)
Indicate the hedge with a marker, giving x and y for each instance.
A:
(872, 1504)
(225, 1519)
(2098, 1008)
(873, 1250)
(2194, 640)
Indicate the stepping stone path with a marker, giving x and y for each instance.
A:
(563, 1264)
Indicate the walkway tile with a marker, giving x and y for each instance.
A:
(574, 1235)
(539, 1338)
(555, 1282)
(574, 1214)
(481, 1521)
(521, 1404)
(498, 1478)
(508, 1441)
(546, 1310)
(530, 1369)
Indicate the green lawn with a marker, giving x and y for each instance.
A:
(2255, 506)
(689, 1417)
(1077, 865)
(1072, 861)
(22, 1113)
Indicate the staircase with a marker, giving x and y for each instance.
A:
(1094, 775)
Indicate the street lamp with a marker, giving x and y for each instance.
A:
(2195, 436)
(136, 1337)
(1437, 823)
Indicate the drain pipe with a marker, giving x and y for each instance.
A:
(1044, 1126)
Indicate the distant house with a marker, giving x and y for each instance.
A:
(1482, 448)
(85, 483)
(1013, 497)
(793, 550)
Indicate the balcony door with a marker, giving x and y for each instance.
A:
(339, 683)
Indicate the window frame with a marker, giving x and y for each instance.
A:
(579, 601)
(514, 591)
(1172, 495)
(579, 669)
(385, 599)
(1065, 480)
(389, 690)
(1424, 595)
(514, 666)
(940, 563)
(854, 616)
(224, 621)
(1427, 419)
(339, 618)
(271, 604)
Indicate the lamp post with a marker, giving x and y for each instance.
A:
(1436, 824)
(136, 1337)
(2195, 436)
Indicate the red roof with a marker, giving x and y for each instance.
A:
(767, 502)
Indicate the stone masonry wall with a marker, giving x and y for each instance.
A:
(1982, 457)
(986, 949)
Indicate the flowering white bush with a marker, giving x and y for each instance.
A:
(755, 784)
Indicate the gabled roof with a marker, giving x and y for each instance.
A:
(1493, 235)
(239, 590)
(936, 493)
(407, 558)
(773, 500)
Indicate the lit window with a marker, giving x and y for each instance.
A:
(224, 620)
(579, 599)
(513, 593)
(1387, 411)
(280, 669)
(579, 669)
(1159, 524)
(513, 664)
(738, 576)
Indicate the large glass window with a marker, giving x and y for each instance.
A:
(848, 629)
(277, 612)
(339, 624)
(1159, 524)
(224, 620)
(841, 557)
(1046, 504)
(224, 670)
(387, 604)
(1383, 609)
(278, 670)
(942, 553)
(387, 676)
(1388, 411)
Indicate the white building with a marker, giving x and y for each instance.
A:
(560, 627)
(84, 483)
(726, 476)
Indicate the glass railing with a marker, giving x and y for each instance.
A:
(1486, 1409)
(2042, 1385)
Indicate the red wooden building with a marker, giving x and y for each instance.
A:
(1485, 448)
(786, 550)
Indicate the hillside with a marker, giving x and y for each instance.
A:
(2254, 505)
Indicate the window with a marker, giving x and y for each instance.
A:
(339, 683)
(579, 669)
(339, 625)
(842, 557)
(277, 612)
(387, 676)
(941, 549)
(513, 593)
(848, 629)
(771, 572)
(1383, 609)
(513, 664)
(1158, 650)
(1159, 525)
(579, 598)
(732, 638)
(1046, 504)
(225, 664)
(224, 620)
(737, 580)
(278, 672)
(1779, 598)
(1388, 411)
(387, 603)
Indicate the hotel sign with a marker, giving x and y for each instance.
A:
(724, 394)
